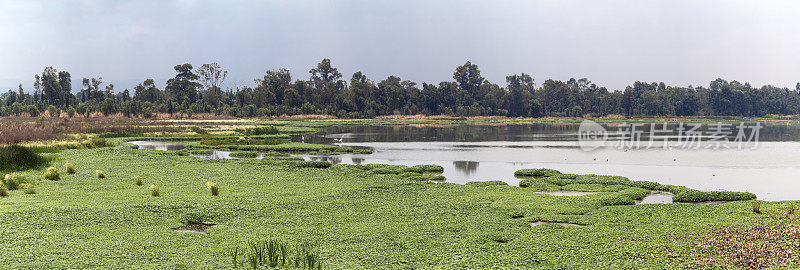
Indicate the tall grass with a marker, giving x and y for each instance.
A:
(154, 191)
(275, 254)
(137, 180)
(19, 158)
(213, 188)
(13, 181)
(52, 174)
(69, 167)
(3, 190)
(757, 207)
(100, 174)
(28, 188)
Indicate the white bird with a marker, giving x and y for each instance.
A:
(302, 139)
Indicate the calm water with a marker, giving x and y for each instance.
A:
(482, 153)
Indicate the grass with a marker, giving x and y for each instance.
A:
(13, 181)
(213, 188)
(536, 172)
(52, 174)
(357, 219)
(100, 174)
(244, 154)
(17, 158)
(69, 167)
(138, 180)
(154, 191)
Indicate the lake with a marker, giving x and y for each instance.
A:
(494, 152)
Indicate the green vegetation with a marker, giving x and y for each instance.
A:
(372, 216)
(201, 152)
(3, 190)
(244, 154)
(52, 174)
(100, 174)
(13, 181)
(17, 158)
(28, 188)
(69, 167)
(536, 172)
(213, 188)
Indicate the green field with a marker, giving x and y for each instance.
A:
(357, 217)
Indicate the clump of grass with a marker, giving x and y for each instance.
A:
(275, 254)
(17, 158)
(52, 174)
(28, 188)
(12, 181)
(100, 174)
(154, 191)
(69, 167)
(757, 207)
(792, 208)
(137, 180)
(429, 168)
(3, 190)
(214, 188)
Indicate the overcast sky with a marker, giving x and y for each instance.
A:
(613, 43)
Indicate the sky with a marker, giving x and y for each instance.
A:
(613, 43)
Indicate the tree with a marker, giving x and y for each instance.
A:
(469, 79)
(183, 87)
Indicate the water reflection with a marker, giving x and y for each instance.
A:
(163, 146)
(466, 167)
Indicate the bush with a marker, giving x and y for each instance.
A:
(100, 174)
(244, 154)
(486, 183)
(313, 164)
(214, 188)
(19, 158)
(96, 142)
(137, 180)
(154, 191)
(537, 172)
(429, 168)
(52, 174)
(69, 167)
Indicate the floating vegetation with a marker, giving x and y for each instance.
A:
(312, 164)
(193, 227)
(244, 154)
(537, 172)
(52, 174)
(201, 152)
(487, 183)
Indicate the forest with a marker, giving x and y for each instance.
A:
(194, 91)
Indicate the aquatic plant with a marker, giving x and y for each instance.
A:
(213, 188)
(137, 180)
(428, 177)
(409, 174)
(538, 184)
(18, 158)
(100, 174)
(261, 131)
(3, 190)
(52, 174)
(28, 188)
(12, 181)
(244, 154)
(69, 167)
(201, 152)
(429, 168)
(487, 183)
(757, 207)
(536, 172)
(312, 164)
(154, 191)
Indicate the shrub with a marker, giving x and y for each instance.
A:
(313, 164)
(52, 174)
(96, 142)
(69, 167)
(214, 188)
(137, 180)
(244, 154)
(487, 183)
(154, 191)
(18, 158)
(28, 188)
(429, 168)
(537, 172)
(100, 174)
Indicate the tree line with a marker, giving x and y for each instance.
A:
(199, 90)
